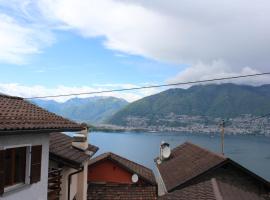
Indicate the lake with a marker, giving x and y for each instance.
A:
(253, 152)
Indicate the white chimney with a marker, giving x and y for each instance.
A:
(80, 140)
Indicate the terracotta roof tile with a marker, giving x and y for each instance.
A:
(140, 170)
(186, 162)
(202, 191)
(211, 189)
(17, 114)
(121, 192)
(61, 150)
(230, 191)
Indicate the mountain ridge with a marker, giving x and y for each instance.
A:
(213, 100)
(93, 110)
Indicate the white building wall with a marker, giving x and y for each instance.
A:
(82, 183)
(64, 186)
(36, 191)
(78, 186)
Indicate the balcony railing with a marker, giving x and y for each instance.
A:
(54, 184)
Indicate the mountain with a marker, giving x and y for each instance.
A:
(93, 110)
(214, 100)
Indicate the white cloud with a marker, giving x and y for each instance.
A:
(17, 41)
(175, 31)
(16, 89)
(218, 69)
(198, 33)
(186, 31)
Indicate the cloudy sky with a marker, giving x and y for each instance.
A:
(50, 47)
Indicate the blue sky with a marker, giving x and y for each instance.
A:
(76, 61)
(50, 47)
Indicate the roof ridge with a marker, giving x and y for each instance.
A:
(144, 172)
(10, 97)
(131, 161)
(202, 148)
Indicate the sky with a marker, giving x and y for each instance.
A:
(50, 47)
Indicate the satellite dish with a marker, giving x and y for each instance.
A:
(165, 150)
(134, 178)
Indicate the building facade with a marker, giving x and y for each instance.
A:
(24, 147)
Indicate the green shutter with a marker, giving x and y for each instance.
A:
(36, 154)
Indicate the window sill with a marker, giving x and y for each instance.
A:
(14, 188)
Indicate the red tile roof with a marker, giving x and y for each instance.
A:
(143, 172)
(212, 189)
(121, 192)
(186, 162)
(61, 150)
(17, 114)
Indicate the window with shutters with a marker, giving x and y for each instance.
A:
(15, 166)
(19, 166)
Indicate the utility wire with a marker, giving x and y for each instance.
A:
(151, 86)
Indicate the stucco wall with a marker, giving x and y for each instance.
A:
(78, 186)
(82, 183)
(64, 186)
(36, 191)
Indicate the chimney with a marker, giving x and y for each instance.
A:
(80, 140)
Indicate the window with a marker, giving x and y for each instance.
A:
(15, 166)
(18, 163)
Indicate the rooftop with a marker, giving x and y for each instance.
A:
(61, 150)
(19, 115)
(186, 162)
(212, 189)
(143, 172)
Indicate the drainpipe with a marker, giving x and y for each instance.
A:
(69, 179)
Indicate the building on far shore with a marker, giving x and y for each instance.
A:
(191, 172)
(111, 176)
(24, 147)
(69, 157)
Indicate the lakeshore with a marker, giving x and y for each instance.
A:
(142, 147)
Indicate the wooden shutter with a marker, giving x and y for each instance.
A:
(2, 171)
(36, 154)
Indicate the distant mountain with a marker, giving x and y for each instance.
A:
(214, 100)
(93, 110)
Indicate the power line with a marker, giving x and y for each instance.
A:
(151, 86)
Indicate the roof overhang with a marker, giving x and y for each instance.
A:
(37, 131)
(66, 162)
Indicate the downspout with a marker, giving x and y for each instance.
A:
(69, 179)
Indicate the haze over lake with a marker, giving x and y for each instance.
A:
(253, 152)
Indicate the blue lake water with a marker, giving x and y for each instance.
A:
(253, 152)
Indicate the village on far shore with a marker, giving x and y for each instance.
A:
(241, 125)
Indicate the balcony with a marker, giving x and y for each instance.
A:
(54, 184)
